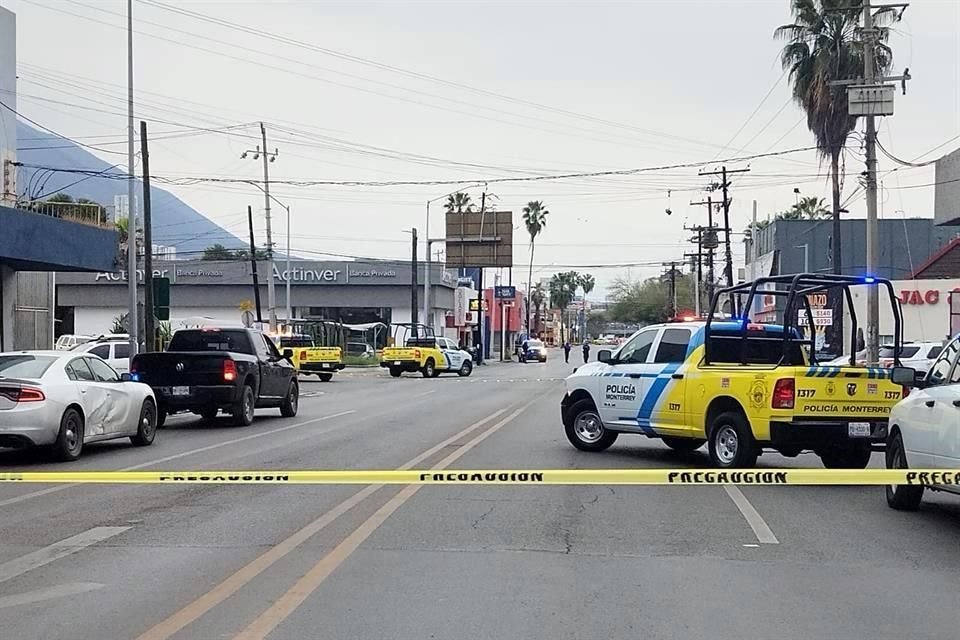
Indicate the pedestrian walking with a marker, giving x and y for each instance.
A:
(523, 351)
(586, 352)
(566, 351)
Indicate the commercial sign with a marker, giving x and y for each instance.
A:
(821, 317)
(474, 305)
(505, 292)
(920, 296)
(237, 272)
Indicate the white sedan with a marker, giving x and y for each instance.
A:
(925, 427)
(65, 400)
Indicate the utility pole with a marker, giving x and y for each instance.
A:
(480, 352)
(697, 266)
(413, 281)
(133, 315)
(708, 241)
(724, 186)
(267, 158)
(673, 287)
(149, 328)
(253, 264)
(873, 290)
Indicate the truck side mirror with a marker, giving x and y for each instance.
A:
(904, 376)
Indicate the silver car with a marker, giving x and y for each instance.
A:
(67, 399)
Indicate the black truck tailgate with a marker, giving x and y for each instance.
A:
(180, 368)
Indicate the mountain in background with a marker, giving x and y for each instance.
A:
(175, 223)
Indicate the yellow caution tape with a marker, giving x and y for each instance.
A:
(849, 477)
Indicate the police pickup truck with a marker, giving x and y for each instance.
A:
(738, 386)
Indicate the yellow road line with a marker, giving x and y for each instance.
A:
(243, 576)
(295, 596)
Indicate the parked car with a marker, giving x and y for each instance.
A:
(210, 369)
(916, 355)
(361, 350)
(114, 349)
(925, 428)
(67, 400)
(68, 341)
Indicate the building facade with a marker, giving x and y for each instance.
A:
(349, 292)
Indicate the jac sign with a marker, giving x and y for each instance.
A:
(930, 296)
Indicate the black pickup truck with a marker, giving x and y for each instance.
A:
(208, 370)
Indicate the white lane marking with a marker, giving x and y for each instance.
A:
(50, 593)
(175, 456)
(751, 515)
(57, 550)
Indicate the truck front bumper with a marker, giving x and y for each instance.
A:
(825, 434)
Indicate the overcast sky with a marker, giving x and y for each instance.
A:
(621, 85)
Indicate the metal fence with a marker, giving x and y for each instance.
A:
(84, 213)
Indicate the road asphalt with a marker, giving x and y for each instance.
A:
(287, 562)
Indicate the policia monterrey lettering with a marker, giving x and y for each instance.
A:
(835, 477)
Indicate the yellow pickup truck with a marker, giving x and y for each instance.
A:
(738, 386)
(311, 359)
(431, 356)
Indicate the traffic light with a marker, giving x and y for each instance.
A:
(161, 298)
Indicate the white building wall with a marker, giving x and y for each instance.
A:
(927, 320)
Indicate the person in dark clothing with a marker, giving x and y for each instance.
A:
(523, 351)
(586, 352)
(566, 351)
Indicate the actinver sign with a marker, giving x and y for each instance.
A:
(160, 273)
(299, 274)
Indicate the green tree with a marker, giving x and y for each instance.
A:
(822, 47)
(63, 198)
(647, 301)
(458, 202)
(218, 252)
(244, 254)
(534, 219)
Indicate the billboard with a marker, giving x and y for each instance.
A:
(476, 239)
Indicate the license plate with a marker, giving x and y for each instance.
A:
(180, 391)
(396, 362)
(859, 429)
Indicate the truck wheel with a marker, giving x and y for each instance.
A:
(846, 458)
(395, 372)
(209, 413)
(429, 369)
(243, 409)
(900, 496)
(325, 377)
(147, 427)
(292, 402)
(465, 369)
(731, 443)
(161, 417)
(585, 430)
(69, 443)
(683, 445)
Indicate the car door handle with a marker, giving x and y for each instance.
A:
(677, 376)
(930, 403)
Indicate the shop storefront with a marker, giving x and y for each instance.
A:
(350, 292)
(925, 306)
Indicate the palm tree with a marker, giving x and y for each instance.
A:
(563, 287)
(458, 202)
(535, 219)
(821, 48)
(537, 297)
(587, 283)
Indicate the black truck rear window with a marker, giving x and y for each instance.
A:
(759, 350)
(235, 340)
